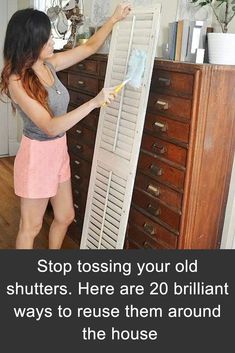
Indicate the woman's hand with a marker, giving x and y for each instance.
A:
(122, 10)
(105, 97)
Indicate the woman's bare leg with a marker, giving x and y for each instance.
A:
(32, 212)
(63, 209)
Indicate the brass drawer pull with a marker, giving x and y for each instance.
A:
(164, 81)
(154, 190)
(160, 125)
(149, 228)
(154, 211)
(79, 132)
(76, 206)
(77, 162)
(75, 221)
(79, 147)
(159, 149)
(81, 66)
(156, 170)
(77, 177)
(162, 105)
(146, 245)
(81, 83)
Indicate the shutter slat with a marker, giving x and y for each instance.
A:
(90, 245)
(109, 133)
(94, 238)
(115, 201)
(125, 139)
(127, 124)
(109, 125)
(123, 154)
(119, 180)
(140, 41)
(117, 194)
(129, 109)
(97, 210)
(94, 229)
(129, 117)
(111, 227)
(95, 223)
(112, 221)
(114, 215)
(106, 146)
(123, 146)
(108, 233)
(112, 112)
(96, 217)
(106, 244)
(99, 194)
(126, 132)
(131, 102)
(98, 204)
(115, 208)
(111, 118)
(117, 187)
(108, 139)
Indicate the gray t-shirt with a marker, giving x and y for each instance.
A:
(58, 100)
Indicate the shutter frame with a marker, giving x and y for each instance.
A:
(119, 161)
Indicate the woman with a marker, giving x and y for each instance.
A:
(41, 169)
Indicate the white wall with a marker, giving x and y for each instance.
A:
(228, 238)
(169, 8)
(22, 4)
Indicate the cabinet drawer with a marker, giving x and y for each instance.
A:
(158, 190)
(178, 107)
(88, 66)
(79, 193)
(78, 98)
(157, 232)
(101, 84)
(91, 121)
(162, 126)
(79, 209)
(137, 239)
(172, 82)
(103, 67)
(63, 77)
(79, 132)
(81, 171)
(154, 208)
(164, 149)
(83, 83)
(75, 229)
(81, 149)
(80, 181)
(161, 171)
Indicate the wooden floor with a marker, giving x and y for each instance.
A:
(10, 213)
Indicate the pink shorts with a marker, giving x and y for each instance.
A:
(40, 166)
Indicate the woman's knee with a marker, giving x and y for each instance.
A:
(30, 228)
(66, 218)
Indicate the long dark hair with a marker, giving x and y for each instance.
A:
(27, 32)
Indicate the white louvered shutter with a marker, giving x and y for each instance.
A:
(119, 134)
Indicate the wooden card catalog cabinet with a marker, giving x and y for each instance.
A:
(185, 160)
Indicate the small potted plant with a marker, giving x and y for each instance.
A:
(221, 45)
